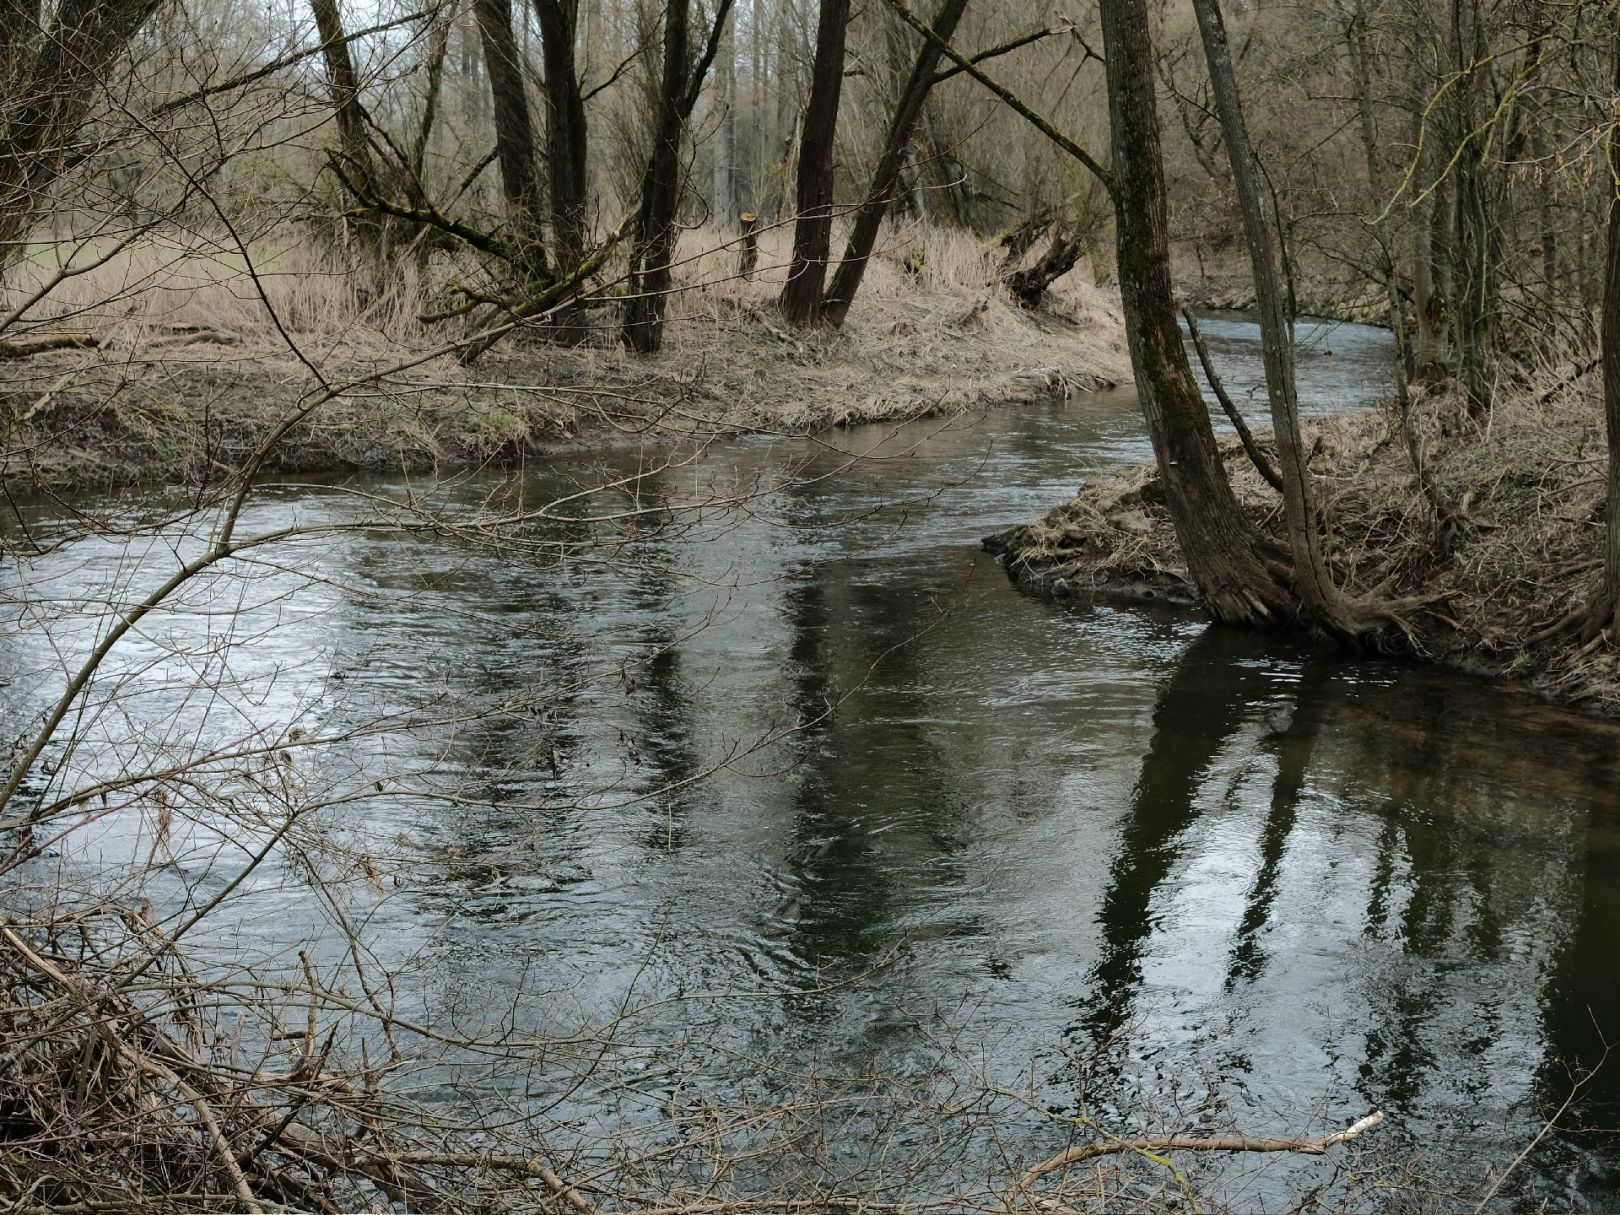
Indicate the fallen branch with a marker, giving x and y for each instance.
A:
(22, 348)
(1188, 1143)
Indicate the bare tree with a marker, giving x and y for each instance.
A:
(1240, 581)
(886, 177)
(812, 228)
(657, 215)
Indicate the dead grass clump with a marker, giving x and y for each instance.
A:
(175, 290)
(1114, 534)
(190, 371)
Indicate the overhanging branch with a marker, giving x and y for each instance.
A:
(1007, 96)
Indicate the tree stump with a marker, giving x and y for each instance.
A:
(750, 246)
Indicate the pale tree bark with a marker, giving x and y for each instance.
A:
(724, 177)
(1225, 554)
(812, 228)
(886, 177)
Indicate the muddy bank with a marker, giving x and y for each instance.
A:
(192, 412)
(1529, 486)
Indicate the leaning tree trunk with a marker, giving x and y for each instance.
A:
(902, 125)
(1321, 601)
(515, 146)
(1224, 552)
(1029, 285)
(344, 84)
(812, 230)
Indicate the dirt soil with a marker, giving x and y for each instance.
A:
(1529, 484)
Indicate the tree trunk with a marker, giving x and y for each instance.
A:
(1472, 227)
(1605, 607)
(1320, 600)
(897, 142)
(515, 148)
(344, 84)
(1028, 286)
(760, 149)
(1224, 551)
(812, 230)
(946, 178)
(566, 131)
(358, 166)
(1426, 353)
(48, 88)
(724, 177)
(657, 218)
(660, 194)
(439, 48)
(1360, 75)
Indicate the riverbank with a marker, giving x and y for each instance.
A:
(1529, 484)
(1224, 282)
(187, 376)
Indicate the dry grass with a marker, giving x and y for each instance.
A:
(1530, 482)
(185, 331)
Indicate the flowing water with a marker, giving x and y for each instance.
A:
(998, 837)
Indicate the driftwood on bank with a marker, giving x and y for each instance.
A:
(22, 348)
(1152, 1147)
(1028, 286)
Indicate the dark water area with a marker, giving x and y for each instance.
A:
(803, 786)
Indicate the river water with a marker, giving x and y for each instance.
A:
(802, 786)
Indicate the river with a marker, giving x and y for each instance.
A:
(801, 785)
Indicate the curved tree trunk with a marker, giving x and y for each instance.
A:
(1225, 553)
(1320, 600)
